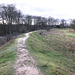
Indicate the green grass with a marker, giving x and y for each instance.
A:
(7, 57)
(52, 51)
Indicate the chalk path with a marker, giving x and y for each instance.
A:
(25, 64)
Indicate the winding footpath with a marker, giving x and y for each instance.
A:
(25, 64)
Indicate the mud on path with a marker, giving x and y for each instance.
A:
(25, 64)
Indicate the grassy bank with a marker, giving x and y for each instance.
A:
(54, 51)
(7, 57)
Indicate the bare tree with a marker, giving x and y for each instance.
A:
(43, 21)
(38, 20)
(51, 21)
(63, 22)
(19, 17)
(34, 20)
(2, 12)
(73, 24)
(56, 21)
(29, 20)
(10, 13)
(2, 16)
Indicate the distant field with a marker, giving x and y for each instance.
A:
(54, 51)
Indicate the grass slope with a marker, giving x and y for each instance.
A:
(7, 57)
(53, 51)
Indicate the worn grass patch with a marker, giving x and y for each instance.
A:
(54, 51)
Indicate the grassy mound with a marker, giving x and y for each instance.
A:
(7, 57)
(54, 51)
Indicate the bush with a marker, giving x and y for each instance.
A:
(2, 40)
(23, 29)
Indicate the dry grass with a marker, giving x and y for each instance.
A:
(54, 51)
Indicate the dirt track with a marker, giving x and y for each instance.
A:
(25, 64)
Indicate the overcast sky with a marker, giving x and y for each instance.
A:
(55, 8)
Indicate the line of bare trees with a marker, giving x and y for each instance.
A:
(10, 15)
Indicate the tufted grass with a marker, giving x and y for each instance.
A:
(53, 51)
